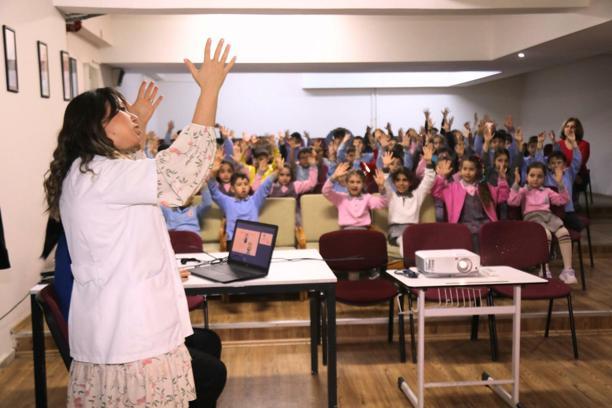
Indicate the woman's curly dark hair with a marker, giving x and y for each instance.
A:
(82, 136)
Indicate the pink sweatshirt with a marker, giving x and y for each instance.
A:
(537, 199)
(353, 211)
(453, 194)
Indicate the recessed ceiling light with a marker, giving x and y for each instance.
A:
(521, 55)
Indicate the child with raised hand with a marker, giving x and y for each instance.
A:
(534, 200)
(558, 160)
(241, 205)
(354, 206)
(406, 197)
(287, 186)
(187, 217)
(470, 199)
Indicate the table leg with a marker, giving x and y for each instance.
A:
(516, 343)
(330, 297)
(421, 350)
(38, 345)
(314, 332)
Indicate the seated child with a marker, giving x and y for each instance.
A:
(287, 186)
(187, 217)
(262, 167)
(558, 160)
(354, 206)
(241, 205)
(470, 200)
(534, 200)
(405, 198)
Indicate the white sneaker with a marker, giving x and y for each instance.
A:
(545, 272)
(568, 276)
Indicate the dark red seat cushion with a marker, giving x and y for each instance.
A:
(194, 302)
(363, 292)
(554, 289)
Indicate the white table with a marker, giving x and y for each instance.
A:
(489, 276)
(289, 272)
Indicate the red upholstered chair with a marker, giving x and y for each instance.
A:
(184, 242)
(47, 300)
(429, 236)
(522, 245)
(361, 250)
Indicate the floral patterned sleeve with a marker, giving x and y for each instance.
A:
(183, 168)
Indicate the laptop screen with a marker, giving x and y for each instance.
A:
(253, 244)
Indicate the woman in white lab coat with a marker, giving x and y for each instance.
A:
(128, 314)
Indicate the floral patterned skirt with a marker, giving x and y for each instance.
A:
(162, 381)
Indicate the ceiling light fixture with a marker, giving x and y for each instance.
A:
(433, 79)
(521, 55)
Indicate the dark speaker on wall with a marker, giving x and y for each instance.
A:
(117, 76)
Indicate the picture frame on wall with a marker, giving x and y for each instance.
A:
(43, 69)
(65, 59)
(10, 59)
(74, 79)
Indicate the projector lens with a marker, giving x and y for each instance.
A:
(464, 265)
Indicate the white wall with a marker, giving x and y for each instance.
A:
(262, 103)
(28, 134)
(584, 90)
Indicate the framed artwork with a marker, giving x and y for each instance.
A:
(10, 59)
(65, 74)
(74, 79)
(43, 69)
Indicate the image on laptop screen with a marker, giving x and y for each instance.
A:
(253, 243)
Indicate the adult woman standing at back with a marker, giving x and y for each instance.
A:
(128, 314)
(574, 126)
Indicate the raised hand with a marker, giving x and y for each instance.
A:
(488, 132)
(444, 168)
(428, 150)
(217, 163)
(450, 122)
(551, 136)
(559, 175)
(519, 137)
(427, 113)
(517, 176)
(280, 162)
(146, 103)
(387, 158)
(445, 112)
(170, 125)
(379, 178)
(340, 171)
(541, 138)
(501, 171)
(213, 70)
(238, 153)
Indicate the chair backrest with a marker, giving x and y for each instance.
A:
(441, 235)
(211, 224)
(520, 244)
(380, 216)
(47, 300)
(280, 211)
(354, 250)
(184, 242)
(319, 216)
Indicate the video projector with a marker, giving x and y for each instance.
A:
(447, 261)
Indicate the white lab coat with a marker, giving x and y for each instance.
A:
(127, 301)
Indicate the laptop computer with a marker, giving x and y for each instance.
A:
(249, 256)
